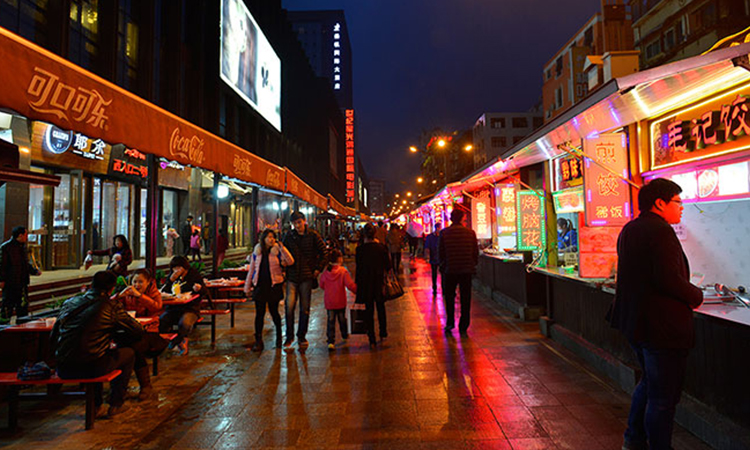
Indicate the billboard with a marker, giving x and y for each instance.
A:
(248, 63)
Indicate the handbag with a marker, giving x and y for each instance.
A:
(34, 371)
(392, 289)
(357, 322)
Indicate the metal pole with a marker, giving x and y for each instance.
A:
(152, 214)
(214, 252)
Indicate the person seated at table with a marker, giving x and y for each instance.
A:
(143, 297)
(185, 316)
(82, 334)
(120, 255)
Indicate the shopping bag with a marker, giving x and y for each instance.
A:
(392, 289)
(357, 323)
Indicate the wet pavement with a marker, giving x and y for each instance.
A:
(504, 386)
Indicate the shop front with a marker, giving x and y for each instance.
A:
(688, 122)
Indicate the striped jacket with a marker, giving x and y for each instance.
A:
(458, 251)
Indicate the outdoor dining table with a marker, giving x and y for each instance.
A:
(182, 299)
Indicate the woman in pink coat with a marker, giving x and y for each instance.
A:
(265, 279)
(334, 281)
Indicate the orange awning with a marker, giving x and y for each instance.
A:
(336, 205)
(42, 86)
(301, 190)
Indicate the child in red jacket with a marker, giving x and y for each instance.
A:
(334, 281)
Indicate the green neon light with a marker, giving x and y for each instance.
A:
(519, 219)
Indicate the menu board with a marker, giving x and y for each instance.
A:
(607, 194)
(597, 247)
(531, 235)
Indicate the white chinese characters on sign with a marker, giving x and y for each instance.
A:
(337, 56)
(48, 95)
(607, 195)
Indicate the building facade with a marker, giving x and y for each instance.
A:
(169, 54)
(377, 196)
(495, 133)
(564, 80)
(670, 30)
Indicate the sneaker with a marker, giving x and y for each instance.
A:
(302, 342)
(183, 347)
(463, 333)
(448, 328)
(288, 343)
(258, 346)
(331, 347)
(146, 394)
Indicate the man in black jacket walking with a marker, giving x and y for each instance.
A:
(15, 271)
(458, 255)
(82, 335)
(309, 252)
(653, 308)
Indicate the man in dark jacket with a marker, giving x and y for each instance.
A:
(309, 252)
(15, 271)
(88, 323)
(431, 245)
(185, 232)
(186, 315)
(458, 254)
(653, 307)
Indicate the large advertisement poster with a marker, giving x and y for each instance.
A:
(248, 62)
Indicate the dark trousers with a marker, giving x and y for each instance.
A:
(655, 399)
(412, 246)
(260, 315)
(370, 318)
(184, 319)
(333, 316)
(195, 252)
(396, 261)
(435, 269)
(119, 358)
(463, 281)
(15, 299)
(186, 246)
(149, 346)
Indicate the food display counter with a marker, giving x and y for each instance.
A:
(505, 279)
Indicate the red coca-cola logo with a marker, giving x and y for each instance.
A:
(190, 148)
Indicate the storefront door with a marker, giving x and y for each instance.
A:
(66, 222)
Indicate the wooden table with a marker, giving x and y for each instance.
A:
(180, 300)
(36, 326)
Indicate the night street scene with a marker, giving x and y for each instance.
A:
(375, 224)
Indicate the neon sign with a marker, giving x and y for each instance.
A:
(337, 56)
(505, 197)
(717, 126)
(349, 140)
(480, 217)
(530, 222)
(607, 201)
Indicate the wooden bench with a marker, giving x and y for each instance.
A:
(213, 313)
(11, 379)
(155, 359)
(226, 301)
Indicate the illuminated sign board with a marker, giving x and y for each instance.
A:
(59, 147)
(530, 223)
(607, 195)
(569, 172)
(127, 162)
(349, 141)
(505, 199)
(248, 63)
(714, 127)
(337, 56)
(481, 222)
(568, 201)
(713, 182)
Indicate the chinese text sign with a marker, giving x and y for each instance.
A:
(531, 221)
(480, 215)
(607, 194)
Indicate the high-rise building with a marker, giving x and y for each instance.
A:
(324, 36)
(495, 133)
(565, 82)
(669, 30)
(377, 196)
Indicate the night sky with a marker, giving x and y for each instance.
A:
(421, 64)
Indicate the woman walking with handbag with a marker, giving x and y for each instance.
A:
(265, 279)
(373, 262)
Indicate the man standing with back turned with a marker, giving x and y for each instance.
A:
(653, 308)
(459, 254)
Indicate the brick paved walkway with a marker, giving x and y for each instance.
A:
(503, 387)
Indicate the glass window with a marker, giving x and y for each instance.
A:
(84, 32)
(520, 122)
(127, 46)
(123, 210)
(142, 227)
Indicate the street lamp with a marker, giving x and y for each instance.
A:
(396, 195)
(408, 194)
(420, 179)
(468, 148)
(413, 149)
(441, 143)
